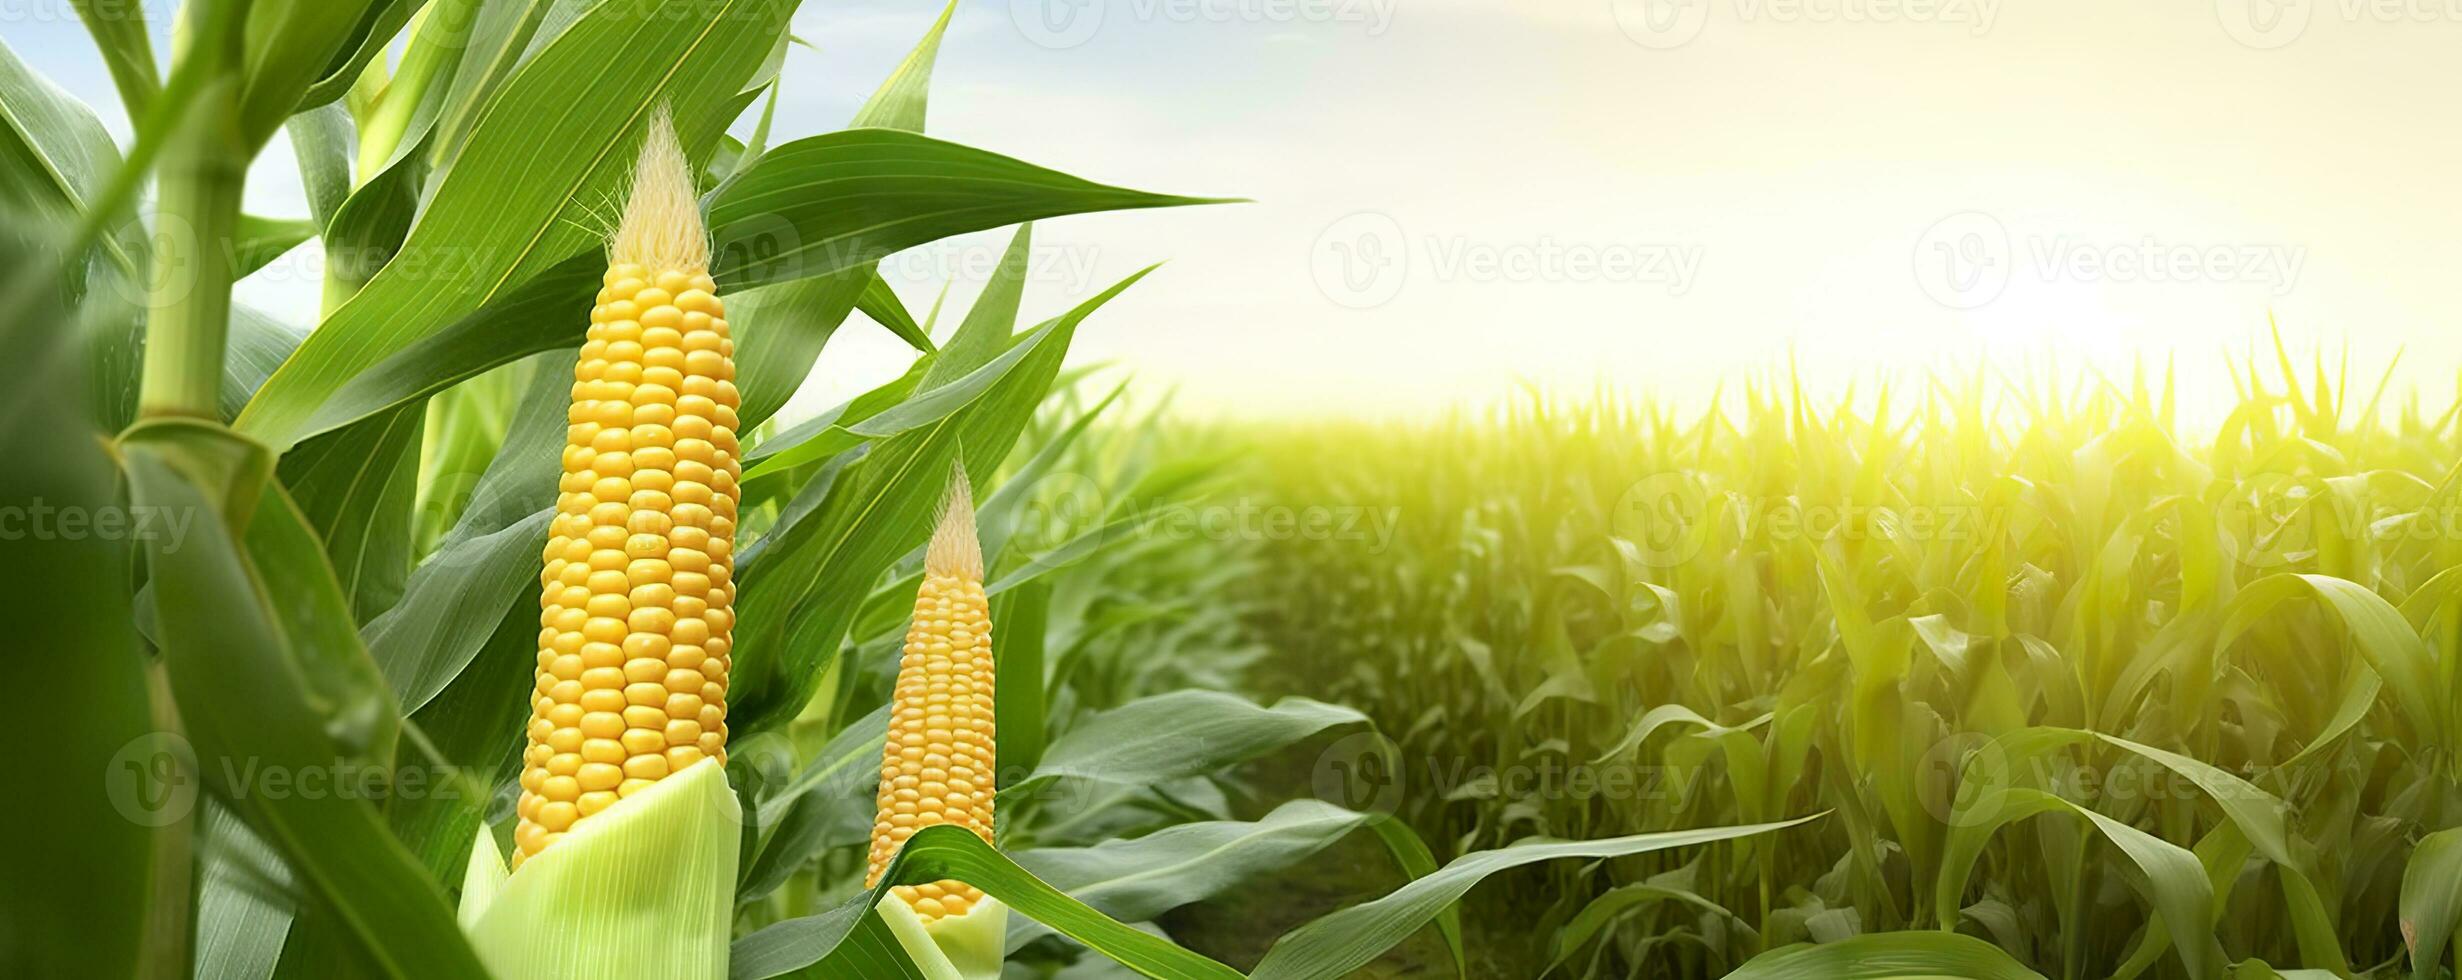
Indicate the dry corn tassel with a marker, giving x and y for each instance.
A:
(625, 853)
(938, 765)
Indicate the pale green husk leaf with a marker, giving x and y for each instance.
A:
(962, 947)
(645, 889)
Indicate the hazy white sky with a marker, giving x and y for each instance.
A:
(1455, 195)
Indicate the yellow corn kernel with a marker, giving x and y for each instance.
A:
(939, 764)
(603, 724)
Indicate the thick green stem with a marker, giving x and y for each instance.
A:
(203, 172)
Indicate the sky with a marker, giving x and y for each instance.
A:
(1453, 198)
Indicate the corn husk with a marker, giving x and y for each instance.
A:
(958, 947)
(644, 889)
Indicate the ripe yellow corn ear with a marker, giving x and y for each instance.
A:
(637, 596)
(625, 856)
(938, 765)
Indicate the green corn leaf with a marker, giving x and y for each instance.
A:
(1890, 956)
(1182, 733)
(881, 304)
(453, 600)
(837, 203)
(985, 330)
(101, 887)
(55, 157)
(1622, 899)
(119, 31)
(2174, 881)
(1346, 940)
(791, 622)
(2432, 902)
(262, 240)
(943, 852)
(833, 202)
(828, 804)
(358, 487)
(1022, 617)
(270, 678)
(304, 53)
(321, 143)
(918, 409)
(517, 200)
(1139, 879)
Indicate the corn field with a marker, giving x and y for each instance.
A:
(500, 621)
(2063, 673)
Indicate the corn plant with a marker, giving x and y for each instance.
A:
(2090, 692)
(507, 555)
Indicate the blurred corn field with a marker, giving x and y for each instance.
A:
(2120, 698)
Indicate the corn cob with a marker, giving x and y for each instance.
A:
(938, 765)
(636, 596)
